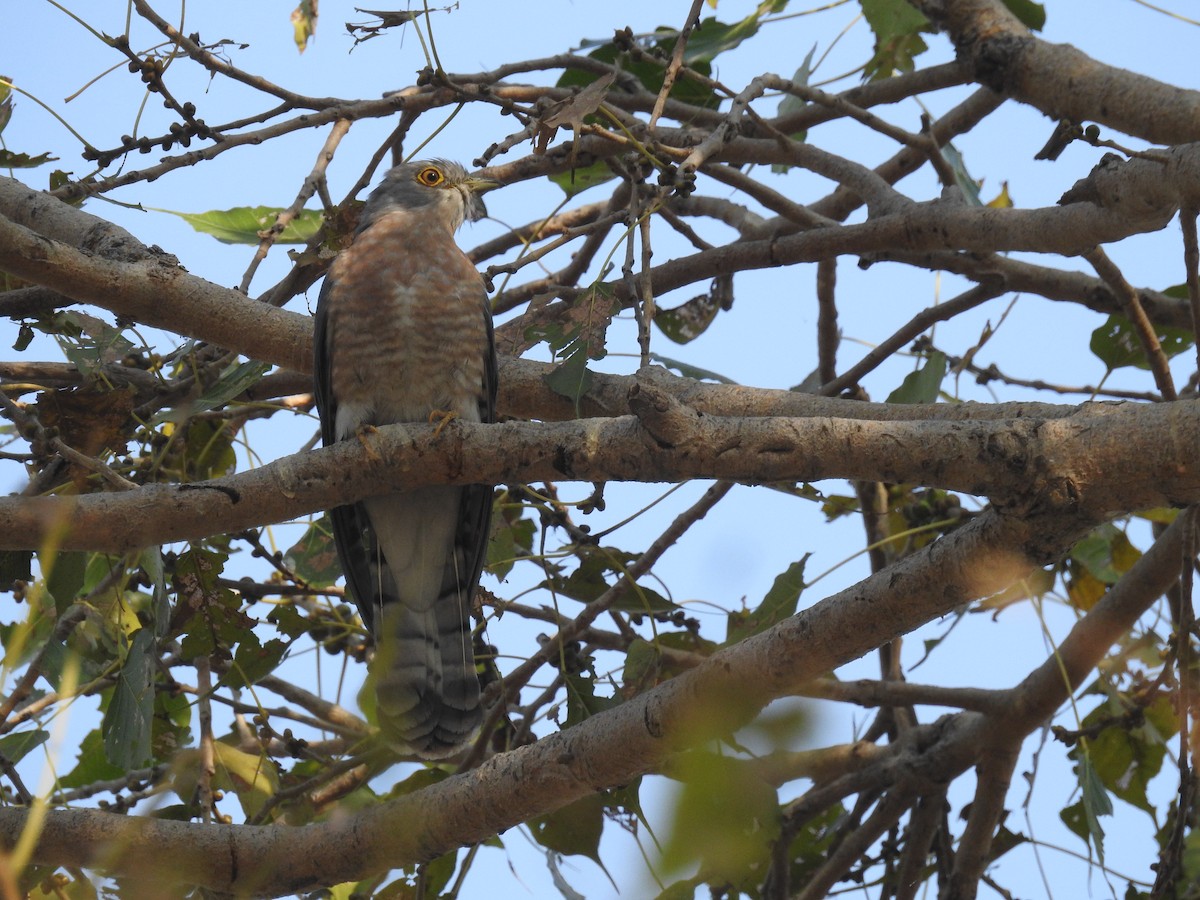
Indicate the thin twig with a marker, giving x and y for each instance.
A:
(692, 20)
(1147, 336)
(828, 335)
(917, 325)
(207, 761)
(314, 179)
(1191, 267)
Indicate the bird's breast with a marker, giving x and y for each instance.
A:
(407, 324)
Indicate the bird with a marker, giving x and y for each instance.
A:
(403, 333)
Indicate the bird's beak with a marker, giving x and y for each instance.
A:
(475, 186)
(480, 185)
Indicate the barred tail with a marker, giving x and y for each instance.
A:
(426, 688)
(424, 667)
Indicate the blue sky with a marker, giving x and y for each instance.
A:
(766, 340)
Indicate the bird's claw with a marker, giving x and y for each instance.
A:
(443, 418)
(364, 432)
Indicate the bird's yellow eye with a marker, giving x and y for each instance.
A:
(430, 176)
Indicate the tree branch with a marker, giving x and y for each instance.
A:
(1060, 80)
(608, 749)
(1103, 460)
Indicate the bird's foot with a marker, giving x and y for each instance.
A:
(443, 418)
(364, 432)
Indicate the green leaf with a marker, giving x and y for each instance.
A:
(1032, 15)
(151, 562)
(1095, 803)
(1106, 553)
(127, 721)
(687, 370)
(649, 71)
(641, 664)
(432, 877)
(88, 342)
(1160, 716)
(437, 873)
(253, 660)
(968, 185)
(1116, 343)
(582, 702)
(835, 506)
(893, 18)
(1037, 583)
(897, 26)
(811, 846)
(314, 557)
(216, 619)
(573, 830)
(10, 160)
(67, 572)
(234, 382)
(207, 451)
(1191, 865)
(646, 666)
(254, 778)
(571, 378)
(791, 104)
(245, 224)
(418, 781)
(577, 336)
(590, 579)
(174, 708)
(1125, 760)
(577, 180)
(689, 320)
(712, 38)
(172, 716)
(13, 747)
(923, 385)
(1124, 757)
(779, 603)
(25, 336)
(1075, 819)
(726, 819)
(288, 621)
(58, 178)
(681, 890)
(92, 766)
(512, 537)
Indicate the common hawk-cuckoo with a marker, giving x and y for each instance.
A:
(404, 334)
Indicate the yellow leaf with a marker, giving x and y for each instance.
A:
(304, 23)
(1086, 590)
(252, 777)
(1001, 200)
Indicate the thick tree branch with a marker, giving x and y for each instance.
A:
(155, 291)
(1107, 460)
(1060, 80)
(606, 750)
(152, 288)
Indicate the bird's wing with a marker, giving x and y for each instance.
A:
(475, 511)
(351, 527)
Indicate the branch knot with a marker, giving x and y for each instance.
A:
(667, 421)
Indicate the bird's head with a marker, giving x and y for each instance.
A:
(435, 187)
